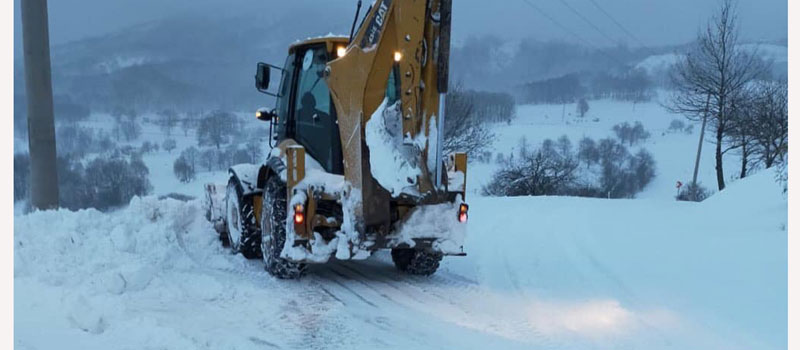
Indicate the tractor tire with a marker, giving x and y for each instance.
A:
(273, 228)
(416, 262)
(243, 235)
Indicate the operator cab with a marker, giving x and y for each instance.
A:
(304, 110)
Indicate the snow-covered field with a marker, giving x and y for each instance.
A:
(674, 152)
(542, 272)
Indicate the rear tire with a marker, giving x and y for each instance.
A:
(273, 228)
(243, 235)
(416, 262)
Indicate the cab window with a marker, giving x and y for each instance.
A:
(392, 87)
(315, 119)
(284, 92)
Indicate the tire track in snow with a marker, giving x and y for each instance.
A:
(443, 295)
(434, 300)
(331, 278)
(306, 304)
(329, 293)
(361, 281)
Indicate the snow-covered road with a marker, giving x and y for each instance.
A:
(543, 272)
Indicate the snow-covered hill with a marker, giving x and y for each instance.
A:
(776, 55)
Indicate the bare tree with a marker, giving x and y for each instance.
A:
(169, 120)
(209, 158)
(169, 145)
(582, 107)
(188, 123)
(183, 170)
(770, 124)
(740, 133)
(217, 129)
(715, 69)
(464, 131)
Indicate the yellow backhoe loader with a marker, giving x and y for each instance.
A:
(356, 163)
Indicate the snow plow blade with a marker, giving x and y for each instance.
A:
(214, 203)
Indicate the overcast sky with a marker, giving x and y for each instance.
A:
(652, 22)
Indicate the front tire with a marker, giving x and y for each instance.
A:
(273, 228)
(243, 234)
(416, 262)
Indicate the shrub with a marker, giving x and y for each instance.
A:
(552, 169)
(623, 175)
(74, 192)
(582, 107)
(185, 167)
(169, 145)
(587, 151)
(127, 129)
(79, 141)
(147, 147)
(115, 181)
(235, 155)
(549, 170)
(106, 182)
(192, 156)
(183, 170)
(217, 129)
(631, 134)
(693, 193)
(676, 125)
(209, 158)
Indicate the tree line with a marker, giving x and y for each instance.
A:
(632, 85)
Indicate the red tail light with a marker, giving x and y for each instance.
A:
(299, 214)
(462, 212)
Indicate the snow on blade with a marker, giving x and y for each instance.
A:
(392, 162)
(439, 221)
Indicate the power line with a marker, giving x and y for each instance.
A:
(621, 27)
(582, 17)
(557, 23)
(569, 31)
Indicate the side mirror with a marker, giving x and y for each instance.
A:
(262, 76)
(266, 115)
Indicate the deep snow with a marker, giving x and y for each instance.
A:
(553, 272)
(542, 272)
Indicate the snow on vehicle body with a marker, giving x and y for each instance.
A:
(358, 164)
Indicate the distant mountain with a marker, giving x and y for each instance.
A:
(492, 63)
(195, 63)
(774, 54)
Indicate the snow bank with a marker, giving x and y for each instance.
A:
(598, 273)
(759, 189)
(65, 247)
(72, 270)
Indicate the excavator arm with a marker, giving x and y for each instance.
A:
(406, 42)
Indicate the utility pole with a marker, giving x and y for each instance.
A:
(39, 91)
(700, 143)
